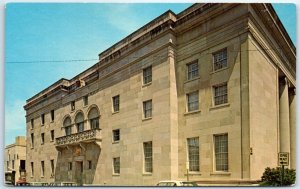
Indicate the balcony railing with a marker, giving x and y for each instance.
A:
(85, 136)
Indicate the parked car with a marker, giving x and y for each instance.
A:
(63, 184)
(170, 183)
(38, 184)
(186, 183)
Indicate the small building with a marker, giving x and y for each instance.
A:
(211, 90)
(15, 159)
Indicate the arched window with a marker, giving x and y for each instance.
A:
(68, 126)
(79, 120)
(94, 118)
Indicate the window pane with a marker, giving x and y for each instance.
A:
(193, 153)
(220, 94)
(221, 152)
(220, 59)
(147, 75)
(193, 71)
(147, 108)
(116, 102)
(193, 101)
(116, 163)
(148, 156)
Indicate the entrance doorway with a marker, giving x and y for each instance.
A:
(78, 172)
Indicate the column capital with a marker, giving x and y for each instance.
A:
(292, 91)
(284, 81)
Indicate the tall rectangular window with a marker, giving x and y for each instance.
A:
(7, 165)
(220, 59)
(147, 108)
(32, 168)
(85, 100)
(148, 157)
(52, 167)
(70, 166)
(13, 164)
(116, 135)
(147, 75)
(221, 152)
(68, 130)
(116, 165)
(90, 164)
(192, 70)
(43, 119)
(116, 103)
(72, 105)
(32, 123)
(220, 94)
(193, 101)
(52, 135)
(42, 168)
(52, 115)
(42, 138)
(32, 140)
(193, 153)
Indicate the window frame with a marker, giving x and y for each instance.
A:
(42, 168)
(148, 157)
(116, 103)
(73, 105)
(42, 119)
(116, 165)
(189, 72)
(52, 115)
(32, 123)
(193, 167)
(224, 96)
(52, 167)
(147, 113)
(221, 66)
(70, 166)
(147, 75)
(42, 138)
(188, 95)
(226, 165)
(32, 140)
(114, 136)
(52, 136)
(85, 100)
(32, 168)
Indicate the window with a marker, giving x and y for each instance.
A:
(32, 123)
(32, 140)
(43, 119)
(220, 59)
(13, 164)
(85, 100)
(70, 166)
(67, 126)
(116, 164)
(116, 103)
(52, 166)
(7, 165)
(147, 75)
(221, 152)
(192, 70)
(147, 109)
(42, 138)
(52, 135)
(148, 156)
(90, 164)
(116, 135)
(94, 118)
(72, 105)
(79, 119)
(32, 169)
(220, 94)
(52, 115)
(193, 101)
(193, 153)
(42, 168)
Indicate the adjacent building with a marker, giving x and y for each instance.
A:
(211, 90)
(15, 159)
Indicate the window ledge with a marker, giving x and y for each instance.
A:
(51, 140)
(189, 80)
(147, 174)
(52, 121)
(115, 112)
(147, 84)
(116, 174)
(148, 118)
(31, 176)
(219, 70)
(84, 106)
(193, 173)
(221, 173)
(32, 148)
(116, 142)
(42, 143)
(219, 106)
(42, 176)
(192, 112)
(42, 125)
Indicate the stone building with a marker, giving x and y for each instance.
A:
(15, 158)
(211, 89)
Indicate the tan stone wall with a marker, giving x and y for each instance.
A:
(263, 91)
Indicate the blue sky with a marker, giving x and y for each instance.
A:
(45, 32)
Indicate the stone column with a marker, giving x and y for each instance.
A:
(293, 130)
(284, 117)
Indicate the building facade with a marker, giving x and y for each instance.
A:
(15, 158)
(211, 89)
